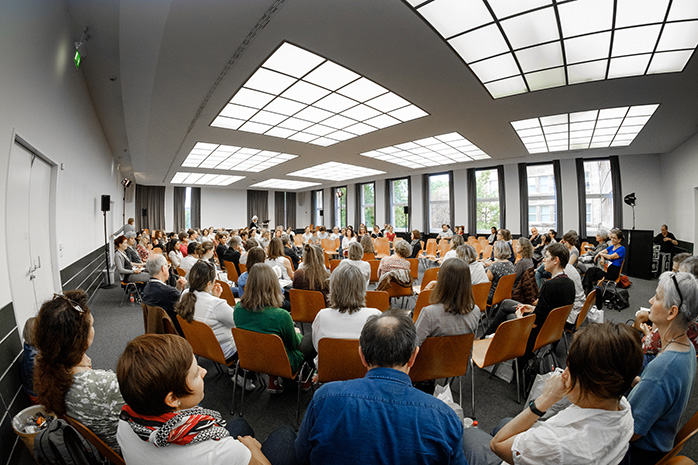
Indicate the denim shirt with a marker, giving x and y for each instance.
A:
(380, 418)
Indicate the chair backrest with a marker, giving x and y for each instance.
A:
(422, 301)
(368, 256)
(472, 240)
(685, 433)
(227, 293)
(262, 353)
(339, 360)
(679, 460)
(298, 240)
(414, 268)
(181, 272)
(442, 357)
(101, 446)
(487, 251)
(509, 341)
(421, 243)
(396, 290)
(505, 286)
(334, 263)
(590, 300)
(374, 270)
(202, 340)
(156, 320)
(429, 275)
(552, 328)
(378, 299)
(444, 246)
(382, 247)
(305, 304)
(243, 267)
(328, 245)
(478, 248)
(480, 293)
(231, 271)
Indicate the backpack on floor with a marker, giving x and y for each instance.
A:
(61, 444)
(616, 299)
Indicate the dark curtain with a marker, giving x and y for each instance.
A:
(558, 192)
(291, 210)
(180, 194)
(357, 204)
(502, 197)
(425, 203)
(333, 209)
(195, 208)
(388, 212)
(523, 198)
(258, 204)
(617, 192)
(451, 199)
(152, 199)
(279, 208)
(409, 204)
(471, 187)
(582, 197)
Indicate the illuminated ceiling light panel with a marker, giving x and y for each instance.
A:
(515, 47)
(608, 127)
(335, 171)
(284, 184)
(204, 179)
(228, 157)
(295, 89)
(431, 151)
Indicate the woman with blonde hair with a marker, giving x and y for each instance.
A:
(477, 271)
(277, 259)
(456, 242)
(367, 244)
(313, 276)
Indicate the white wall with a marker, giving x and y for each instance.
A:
(570, 201)
(460, 189)
(642, 174)
(44, 100)
(679, 178)
(226, 208)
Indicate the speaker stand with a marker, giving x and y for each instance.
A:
(108, 284)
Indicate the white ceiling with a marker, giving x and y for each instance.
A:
(160, 71)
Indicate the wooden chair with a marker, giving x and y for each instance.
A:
(382, 248)
(431, 249)
(606, 282)
(129, 289)
(414, 268)
(231, 271)
(504, 288)
(339, 360)
(480, 293)
(297, 240)
(243, 267)
(101, 446)
(678, 460)
(368, 257)
(552, 329)
(334, 263)
(263, 353)
(444, 357)
(472, 240)
(444, 246)
(227, 293)
(422, 301)
(156, 320)
(181, 272)
(478, 248)
(486, 252)
(590, 300)
(374, 270)
(378, 299)
(305, 305)
(203, 342)
(430, 274)
(395, 290)
(686, 432)
(509, 342)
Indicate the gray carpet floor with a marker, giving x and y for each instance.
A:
(494, 398)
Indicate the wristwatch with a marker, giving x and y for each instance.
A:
(534, 409)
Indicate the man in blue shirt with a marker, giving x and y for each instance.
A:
(380, 418)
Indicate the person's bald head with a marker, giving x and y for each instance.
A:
(388, 340)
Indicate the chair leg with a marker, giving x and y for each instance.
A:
(518, 392)
(460, 391)
(242, 390)
(235, 385)
(472, 389)
(564, 337)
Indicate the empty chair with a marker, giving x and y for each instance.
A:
(305, 305)
(378, 299)
(231, 271)
(591, 298)
(414, 268)
(203, 342)
(422, 301)
(382, 248)
(430, 274)
(227, 293)
(504, 288)
(375, 264)
(339, 360)
(334, 263)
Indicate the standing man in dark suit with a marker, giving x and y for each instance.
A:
(159, 294)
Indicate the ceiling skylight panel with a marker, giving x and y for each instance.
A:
(408, 113)
(292, 60)
(506, 87)
(683, 9)
(545, 79)
(269, 81)
(362, 90)
(585, 16)
(305, 92)
(387, 102)
(280, 132)
(284, 106)
(331, 76)
(669, 62)
(531, 28)
(635, 40)
(450, 17)
(495, 68)
(236, 158)
(251, 98)
(313, 114)
(335, 103)
(504, 8)
(267, 117)
(204, 179)
(636, 12)
(540, 57)
(359, 129)
(283, 184)
(335, 171)
(383, 121)
(361, 112)
(678, 36)
(628, 66)
(480, 43)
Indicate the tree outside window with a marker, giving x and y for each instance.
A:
(399, 199)
(439, 201)
(487, 202)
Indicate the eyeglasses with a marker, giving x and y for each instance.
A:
(72, 303)
(676, 283)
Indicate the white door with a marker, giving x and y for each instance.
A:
(28, 232)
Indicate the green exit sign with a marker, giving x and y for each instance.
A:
(77, 59)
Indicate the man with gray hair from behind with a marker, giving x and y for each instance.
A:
(380, 418)
(157, 293)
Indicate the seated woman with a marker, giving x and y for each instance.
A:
(194, 253)
(540, 249)
(614, 255)
(501, 266)
(389, 233)
(126, 270)
(259, 310)
(416, 244)
(456, 242)
(503, 235)
(277, 259)
(348, 238)
(660, 397)
(250, 244)
(347, 313)
(586, 260)
(163, 422)
(174, 253)
(354, 258)
(254, 257)
(571, 239)
(452, 310)
(313, 276)
(595, 429)
(525, 249)
(368, 247)
(143, 248)
(492, 238)
(477, 270)
(396, 261)
(64, 380)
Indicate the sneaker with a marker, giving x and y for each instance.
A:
(249, 385)
(275, 385)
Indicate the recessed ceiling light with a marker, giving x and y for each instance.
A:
(229, 157)
(431, 151)
(204, 179)
(295, 88)
(284, 184)
(335, 171)
(515, 47)
(608, 127)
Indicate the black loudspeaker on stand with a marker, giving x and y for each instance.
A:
(106, 204)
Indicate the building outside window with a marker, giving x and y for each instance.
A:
(368, 204)
(317, 214)
(599, 194)
(439, 201)
(399, 199)
(340, 206)
(487, 202)
(542, 202)
(187, 208)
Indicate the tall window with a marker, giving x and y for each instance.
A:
(368, 204)
(340, 206)
(599, 194)
(317, 214)
(439, 201)
(487, 202)
(187, 208)
(399, 202)
(542, 204)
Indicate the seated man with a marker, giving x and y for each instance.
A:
(445, 233)
(130, 250)
(380, 418)
(159, 294)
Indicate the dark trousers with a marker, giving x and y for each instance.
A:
(278, 448)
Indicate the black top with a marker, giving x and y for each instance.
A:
(665, 246)
(290, 253)
(416, 248)
(232, 255)
(535, 241)
(556, 292)
(161, 295)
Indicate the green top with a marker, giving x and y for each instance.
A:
(272, 320)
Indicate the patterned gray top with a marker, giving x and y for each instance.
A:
(94, 400)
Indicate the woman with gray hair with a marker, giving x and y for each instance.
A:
(501, 266)
(347, 313)
(586, 261)
(356, 253)
(456, 242)
(398, 260)
(477, 271)
(662, 391)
